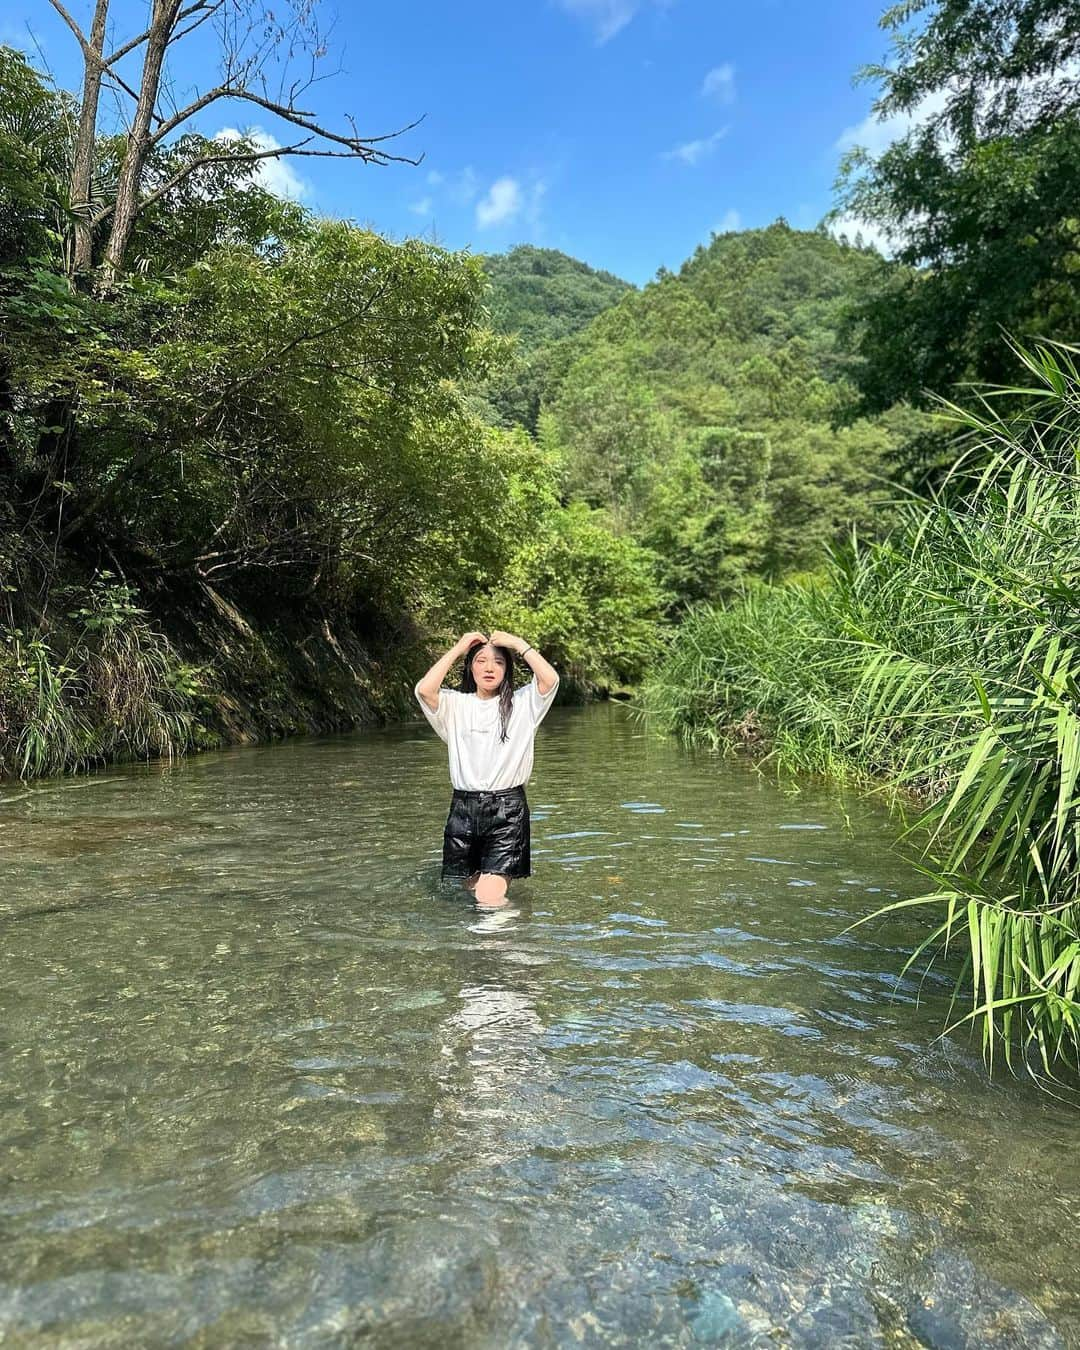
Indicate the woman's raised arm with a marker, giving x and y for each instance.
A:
(429, 685)
(547, 677)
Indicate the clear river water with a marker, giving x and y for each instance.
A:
(268, 1082)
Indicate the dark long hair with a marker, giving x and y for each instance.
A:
(505, 690)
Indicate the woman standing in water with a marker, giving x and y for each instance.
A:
(489, 728)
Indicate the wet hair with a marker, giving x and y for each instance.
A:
(505, 690)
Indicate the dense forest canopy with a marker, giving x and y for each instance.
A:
(541, 295)
(709, 415)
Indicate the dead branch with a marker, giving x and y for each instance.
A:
(199, 162)
(96, 65)
(246, 48)
(209, 8)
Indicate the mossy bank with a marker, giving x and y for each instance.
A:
(111, 669)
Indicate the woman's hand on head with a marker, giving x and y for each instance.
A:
(500, 639)
(467, 641)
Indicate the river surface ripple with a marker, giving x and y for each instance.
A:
(268, 1082)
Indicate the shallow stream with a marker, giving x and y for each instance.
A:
(266, 1081)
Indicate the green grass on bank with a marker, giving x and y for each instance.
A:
(943, 661)
(119, 691)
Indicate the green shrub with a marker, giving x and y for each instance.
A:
(118, 692)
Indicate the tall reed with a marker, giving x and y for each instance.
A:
(943, 661)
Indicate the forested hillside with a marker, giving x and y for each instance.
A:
(541, 295)
(708, 415)
(538, 297)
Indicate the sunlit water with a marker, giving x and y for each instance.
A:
(267, 1082)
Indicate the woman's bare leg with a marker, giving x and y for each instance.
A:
(491, 890)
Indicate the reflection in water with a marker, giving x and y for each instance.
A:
(269, 1082)
(490, 1043)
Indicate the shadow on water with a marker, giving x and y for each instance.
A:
(270, 1081)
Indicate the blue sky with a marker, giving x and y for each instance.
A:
(620, 131)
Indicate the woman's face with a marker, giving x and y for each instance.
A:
(488, 668)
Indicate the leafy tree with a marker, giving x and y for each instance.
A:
(34, 163)
(232, 446)
(982, 195)
(707, 515)
(589, 596)
(542, 298)
(610, 429)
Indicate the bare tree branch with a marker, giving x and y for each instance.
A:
(244, 157)
(358, 146)
(80, 36)
(92, 49)
(248, 38)
(209, 6)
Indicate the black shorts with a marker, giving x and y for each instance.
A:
(487, 832)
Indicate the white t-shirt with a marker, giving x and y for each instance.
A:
(469, 724)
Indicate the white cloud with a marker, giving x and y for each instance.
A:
(693, 152)
(272, 175)
(731, 220)
(876, 135)
(720, 83)
(607, 17)
(871, 134)
(280, 178)
(508, 200)
(502, 203)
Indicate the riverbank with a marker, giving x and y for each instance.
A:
(110, 670)
(941, 660)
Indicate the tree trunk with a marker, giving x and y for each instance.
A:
(83, 166)
(165, 13)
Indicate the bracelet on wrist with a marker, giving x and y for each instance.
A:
(530, 648)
